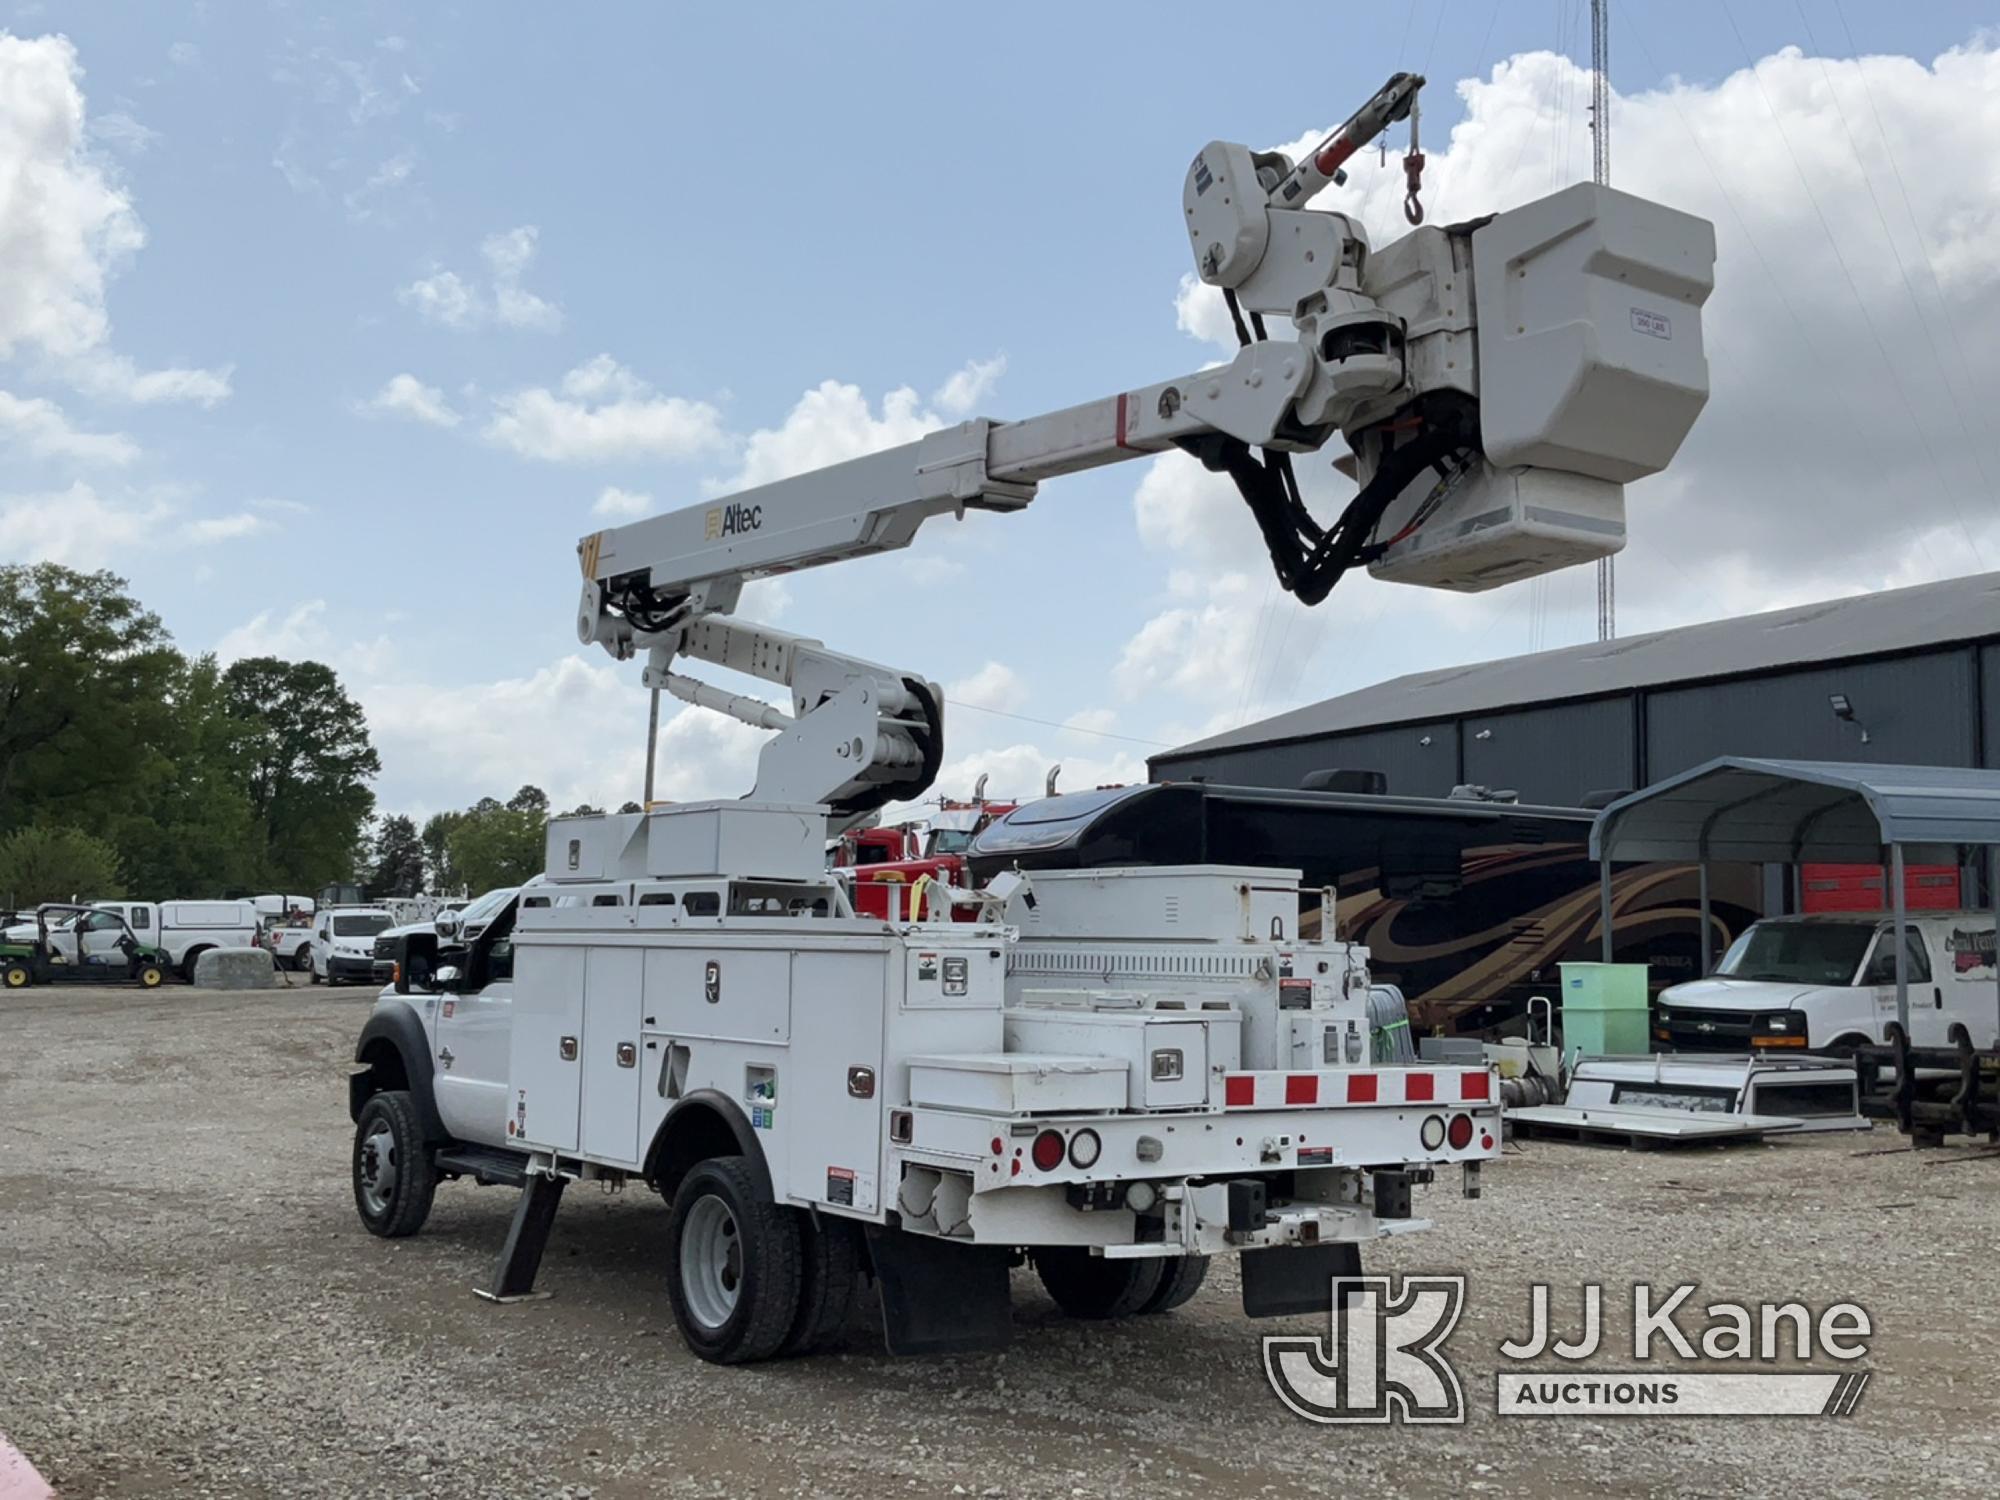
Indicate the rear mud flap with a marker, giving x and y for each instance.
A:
(1288, 1281)
(940, 1298)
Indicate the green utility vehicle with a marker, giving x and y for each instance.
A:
(81, 944)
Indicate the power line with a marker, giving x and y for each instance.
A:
(1840, 259)
(1861, 418)
(1102, 734)
(1600, 173)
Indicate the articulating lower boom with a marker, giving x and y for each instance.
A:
(1498, 383)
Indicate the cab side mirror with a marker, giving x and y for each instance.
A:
(416, 963)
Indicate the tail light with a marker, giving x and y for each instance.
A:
(1048, 1150)
(1459, 1133)
(1084, 1149)
(1432, 1132)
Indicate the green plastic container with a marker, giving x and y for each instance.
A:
(1604, 1009)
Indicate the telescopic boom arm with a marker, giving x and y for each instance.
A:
(1497, 382)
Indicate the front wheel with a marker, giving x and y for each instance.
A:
(394, 1172)
(302, 960)
(733, 1265)
(1097, 1286)
(312, 969)
(15, 975)
(151, 975)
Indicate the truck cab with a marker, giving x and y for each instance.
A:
(1828, 980)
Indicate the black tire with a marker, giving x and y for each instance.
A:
(302, 959)
(149, 974)
(312, 969)
(390, 1128)
(762, 1281)
(15, 975)
(829, 1274)
(1094, 1286)
(1180, 1278)
(188, 961)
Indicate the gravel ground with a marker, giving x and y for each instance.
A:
(188, 1306)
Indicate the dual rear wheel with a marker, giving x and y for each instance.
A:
(1098, 1287)
(750, 1279)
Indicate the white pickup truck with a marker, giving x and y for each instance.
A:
(1829, 981)
(184, 930)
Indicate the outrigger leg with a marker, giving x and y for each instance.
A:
(527, 1237)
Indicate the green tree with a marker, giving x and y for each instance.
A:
(436, 839)
(399, 858)
(530, 799)
(50, 863)
(631, 807)
(307, 764)
(85, 680)
(191, 831)
(493, 845)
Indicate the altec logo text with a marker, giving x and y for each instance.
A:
(733, 519)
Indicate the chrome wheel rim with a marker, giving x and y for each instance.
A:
(378, 1167)
(711, 1262)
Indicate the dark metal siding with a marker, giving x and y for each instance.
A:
(1918, 710)
(1990, 696)
(1414, 769)
(1553, 755)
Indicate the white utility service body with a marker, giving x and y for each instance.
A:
(1829, 980)
(878, 1063)
(1157, 1070)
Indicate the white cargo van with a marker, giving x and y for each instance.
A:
(185, 929)
(343, 942)
(1829, 981)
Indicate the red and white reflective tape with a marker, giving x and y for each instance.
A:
(1427, 1086)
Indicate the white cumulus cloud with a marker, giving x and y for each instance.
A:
(603, 411)
(621, 505)
(452, 301)
(67, 226)
(406, 396)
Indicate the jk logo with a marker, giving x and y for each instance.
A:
(1382, 1362)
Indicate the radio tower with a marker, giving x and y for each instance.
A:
(1600, 173)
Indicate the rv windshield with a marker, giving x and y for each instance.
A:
(1798, 952)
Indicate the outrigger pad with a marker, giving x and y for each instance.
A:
(1290, 1280)
(940, 1298)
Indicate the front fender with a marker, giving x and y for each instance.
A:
(395, 1053)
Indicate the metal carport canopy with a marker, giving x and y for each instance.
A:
(1783, 811)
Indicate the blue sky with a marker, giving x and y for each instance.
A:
(430, 281)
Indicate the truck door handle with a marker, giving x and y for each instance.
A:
(1937, 997)
(567, 1049)
(628, 1055)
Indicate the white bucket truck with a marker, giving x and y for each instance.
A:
(1160, 1071)
(1116, 1073)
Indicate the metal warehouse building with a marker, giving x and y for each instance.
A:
(1909, 676)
